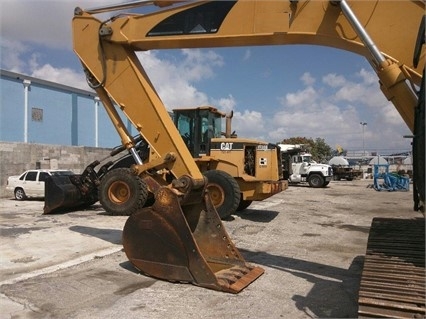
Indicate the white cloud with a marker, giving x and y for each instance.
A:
(174, 82)
(225, 104)
(390, 115)
(249, 124)
(368, 77)
(199, 64)
(352, 92)
(303, 98)
(366, 92)
(334, 80)
(61, 75)
(13, 58)
(307, 79)
(333, 111)
(10, 55)
(43, 22)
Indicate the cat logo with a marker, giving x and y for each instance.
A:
(226, 146)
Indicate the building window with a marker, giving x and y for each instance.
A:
(37, 114)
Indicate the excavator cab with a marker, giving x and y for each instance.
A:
(198, 126)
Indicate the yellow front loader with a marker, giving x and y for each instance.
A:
(239, 170)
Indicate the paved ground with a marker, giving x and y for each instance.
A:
(310, 242)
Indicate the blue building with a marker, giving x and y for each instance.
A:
(38, 111)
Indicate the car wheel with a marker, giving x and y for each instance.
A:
(224, 192)
(316, 181)
(121, 193)
(20, 194)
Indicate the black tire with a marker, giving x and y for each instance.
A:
(316, 180)
(349, 179)
(121, 193)
(90, 201)
(20, 194)
(243, 204)
(224, 192)
(326, 183)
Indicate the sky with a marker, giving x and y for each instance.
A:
(276, 92)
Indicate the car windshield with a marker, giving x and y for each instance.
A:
(57, 173)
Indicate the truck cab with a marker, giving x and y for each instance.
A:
(298, 167)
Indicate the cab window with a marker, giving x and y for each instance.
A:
(31, 176)
(206, 18)
(43, 176)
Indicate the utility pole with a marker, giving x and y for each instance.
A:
(26, 84)
(363, 140)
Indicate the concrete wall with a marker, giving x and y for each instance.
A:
(15, 158)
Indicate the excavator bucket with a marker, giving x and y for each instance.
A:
(65, 192)
(60, 194)
(186, 242)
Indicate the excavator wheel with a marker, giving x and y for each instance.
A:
(224, 192)
(121, 193)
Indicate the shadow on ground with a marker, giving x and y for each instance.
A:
(335, 290)
(257, 215)
(110, 235)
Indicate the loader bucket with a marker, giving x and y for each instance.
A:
(60, 194)
(186, 243)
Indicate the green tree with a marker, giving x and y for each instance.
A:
(321, 151)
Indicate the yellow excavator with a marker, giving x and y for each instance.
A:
(180, 237)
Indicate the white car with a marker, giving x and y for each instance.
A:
(31, 182)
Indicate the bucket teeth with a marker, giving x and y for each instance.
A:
(236, 278)
(232, 274)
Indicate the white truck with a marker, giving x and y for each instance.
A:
(298, 167)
